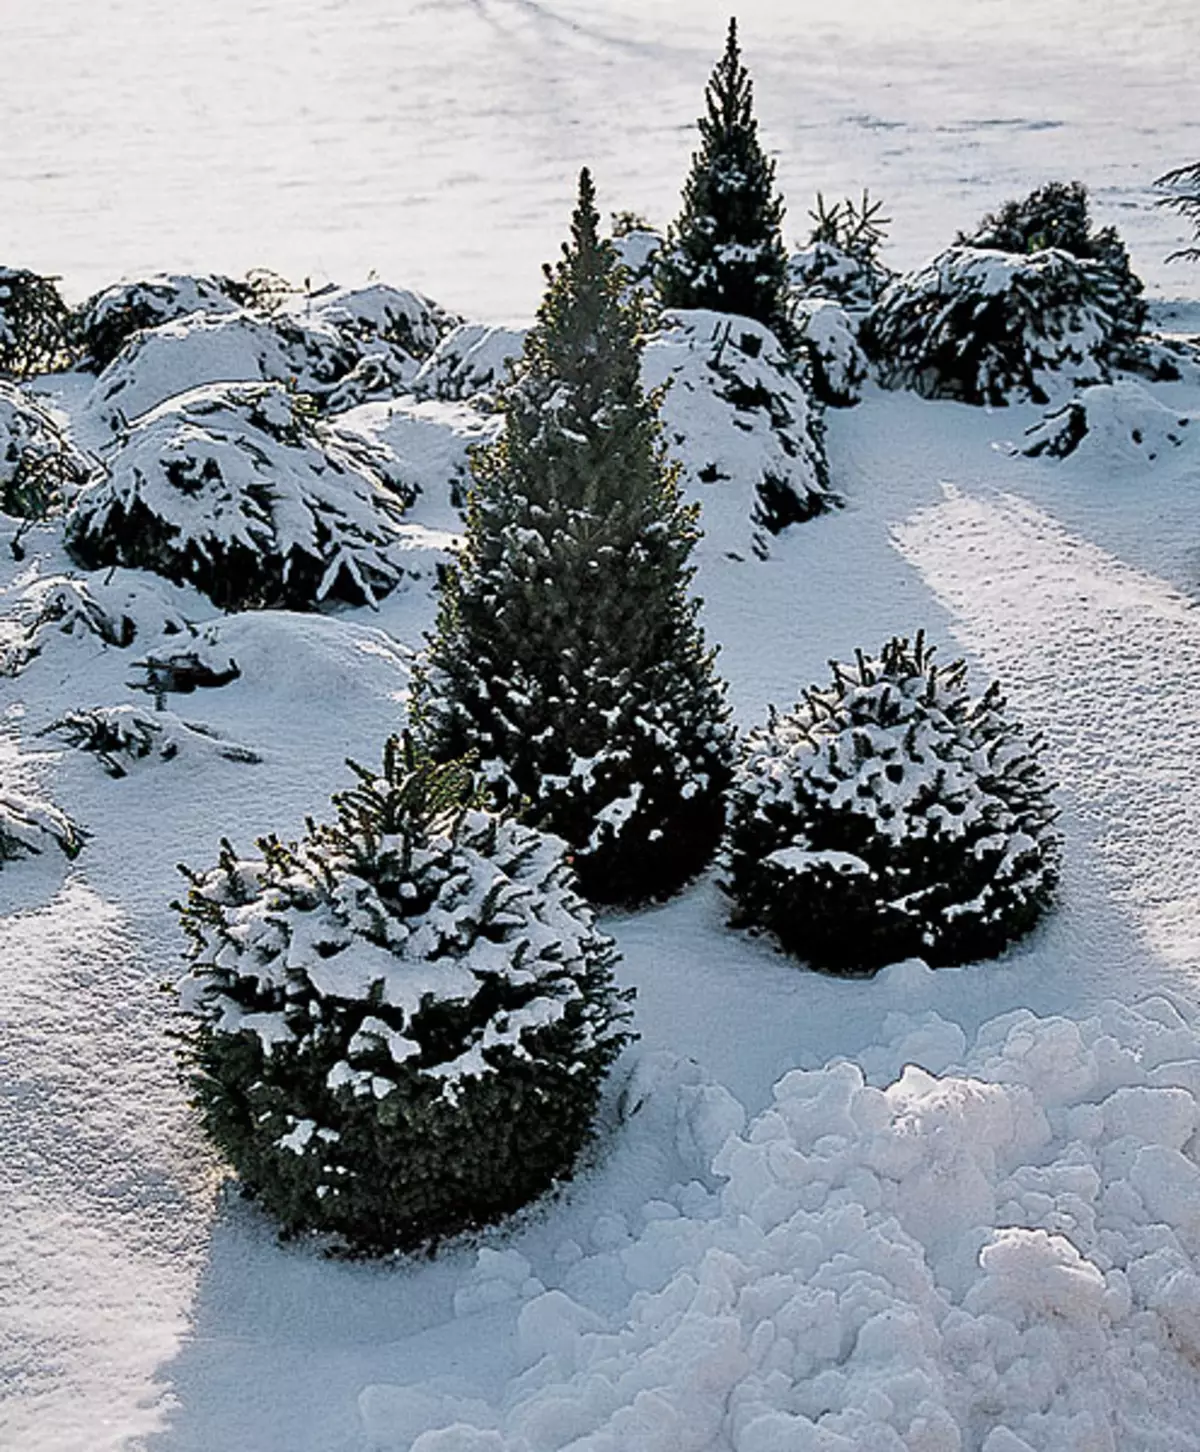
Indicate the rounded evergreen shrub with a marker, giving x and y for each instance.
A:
(39, 466)
(398, 1028)
(34, 323)
(892, 814)
(109, 318)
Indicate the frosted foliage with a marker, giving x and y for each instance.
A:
(991, 327)
(891, 814)
(472, 362)
(414, 1006)
(29, 826)
(38, 462)
(738, 416)
(825, 270)
(1000, 1258)
(1109, 422)
(235, 489)
(839, 365)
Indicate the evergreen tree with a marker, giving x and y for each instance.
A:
(1183, 184)
(567, 654)
(725, 251)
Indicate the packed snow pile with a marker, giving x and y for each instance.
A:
(470, 362)
(28, 826)
(39, 465)
(236, 489)
(990, 327)
(892, 813)
(839, 365)
(739, 416)
(1111, 421)
(399, 1026)
(996, 1257)
(120, 735)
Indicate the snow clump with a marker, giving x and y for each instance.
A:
(237, 489)
(737, 414)
(892, 815)
(399, 1027)
(1000, 1257)
(1109, 422)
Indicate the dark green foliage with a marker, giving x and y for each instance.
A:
(34, 324)
(1057, 216)
(891, 814)
(1183, 184)
(567, 654)
(725, 251)
(399, 1027)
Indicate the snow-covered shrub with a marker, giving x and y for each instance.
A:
(988, 327)
(892, 814)
(109, 318)
(399, 1027)
(1111, 421)
(236, 489)
(27, 827)
(637, 246)
(470, 362)
(841, 260)
(119, 735)
(34, 323)
(377, 318)
(39, 465)
(738, 416)
(839, 365)
(1057, 216)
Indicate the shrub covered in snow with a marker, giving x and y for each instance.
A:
(109, 318)
(398, 1028)
(27, 827)
(120, 735)
(39, 465)
(739, 418)
(567, 656)
(1111, 421)
(841, 260)
(892, 814)
(989, 327)
(839, 365)
(34, 323)
(470, 362)
(236, 489)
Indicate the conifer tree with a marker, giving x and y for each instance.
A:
(725, 250)
(567, 654)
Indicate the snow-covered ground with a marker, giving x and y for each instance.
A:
(997, 1250)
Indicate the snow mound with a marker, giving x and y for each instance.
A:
(470, 362)
(236, 489)
(1110, 422)
(839, 365)
(120, 735)
(39, 465)
(424, 448)
(1001, 1256)
(111, 317)
(739, 418)
(990, 327)
(27, 827)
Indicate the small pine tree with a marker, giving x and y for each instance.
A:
(567, 654)
(725, 252)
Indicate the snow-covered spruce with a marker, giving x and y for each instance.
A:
(471, 362)
(841, 261)
(28, 827)
(39, 465)
(109, 318)
(398, 1028)
(238, 490)
(34, 324)
(989, 327)
(567, 655)
(839, 365)
(892, 814)
(739, 417)
(1111, 421)
(120, 735)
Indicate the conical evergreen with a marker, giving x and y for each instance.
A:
(566, 653)
(725, 251)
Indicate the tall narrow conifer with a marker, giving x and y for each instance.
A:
(725, 250)
(566, 653)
